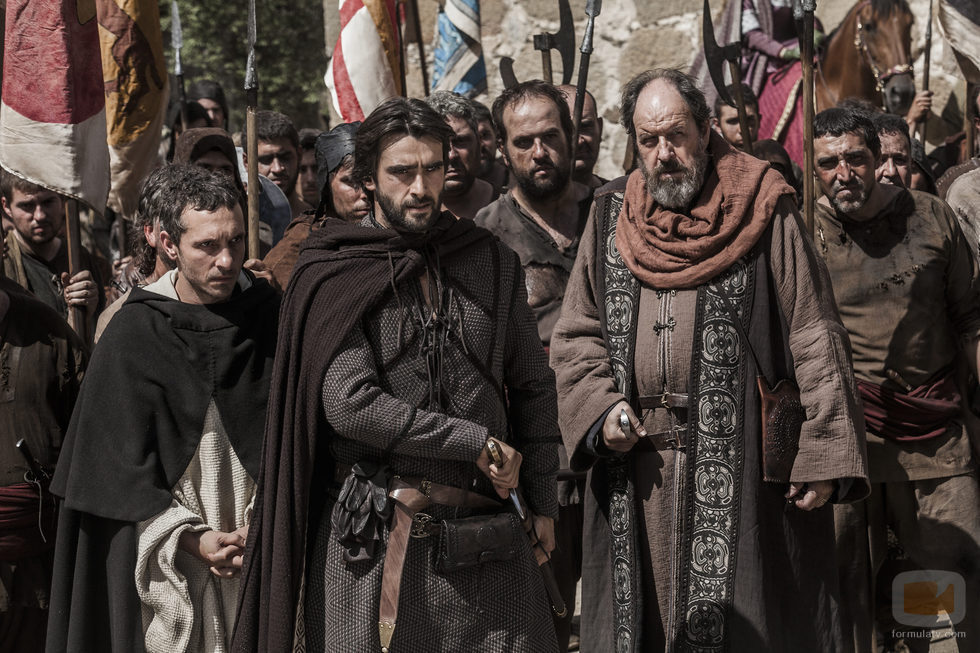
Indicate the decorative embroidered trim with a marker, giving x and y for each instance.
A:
(621, 301)
(715, 462)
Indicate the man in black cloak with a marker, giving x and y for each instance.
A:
(159, 464)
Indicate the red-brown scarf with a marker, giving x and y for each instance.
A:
(665, 249)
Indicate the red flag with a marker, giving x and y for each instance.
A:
(52, 113)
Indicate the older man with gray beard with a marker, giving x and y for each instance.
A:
(693, 278)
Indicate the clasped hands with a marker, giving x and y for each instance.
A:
(222, 552)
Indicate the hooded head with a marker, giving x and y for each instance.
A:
(332, 149)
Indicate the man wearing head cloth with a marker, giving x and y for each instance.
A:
(340, 197)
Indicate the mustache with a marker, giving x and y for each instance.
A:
(838, 186)
(419, 203)
(671, 165)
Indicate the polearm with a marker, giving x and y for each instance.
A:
(968, 124)
(803, 11)
(925, 72)
(592, 9)
(715, 55)
(252, 139)
(177, 42)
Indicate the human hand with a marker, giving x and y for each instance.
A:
(613, 434)
(542, 537)
(810, 496)
(258, 268)
(222, 552)
(80, 290)
(921, 106)
(506, 476)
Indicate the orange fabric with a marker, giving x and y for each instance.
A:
(665, 249)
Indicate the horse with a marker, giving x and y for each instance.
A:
(868, 56)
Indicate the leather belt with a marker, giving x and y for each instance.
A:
(675, 438)
(411, 496)
(664, 400)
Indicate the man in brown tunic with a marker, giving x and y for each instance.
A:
(905, 281)
(686, 547)
(541, 218)
(41, 364)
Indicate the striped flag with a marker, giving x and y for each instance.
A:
(459, 65)
(135, 76)
(365, 68)
(52, 114)
(960, 20)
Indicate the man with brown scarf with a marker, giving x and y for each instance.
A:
(906, 283)
(686, 545)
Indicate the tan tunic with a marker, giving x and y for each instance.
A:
(907, 289)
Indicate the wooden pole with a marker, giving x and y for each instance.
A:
(806, 58)
(968, 125)
(77, 317)
(925, 73)
(421, 45)
(252, 154)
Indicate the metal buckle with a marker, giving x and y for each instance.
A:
(425, 487)
(420, 525)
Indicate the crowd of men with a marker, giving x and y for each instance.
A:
(469, 375)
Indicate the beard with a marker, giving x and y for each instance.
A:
(676, 193)
(397, 216)
(550, 186)
(849, 206)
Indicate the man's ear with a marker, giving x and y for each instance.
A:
(369, 185)
(599, 123)
(6, 207)
(169, 246)
(503, 153)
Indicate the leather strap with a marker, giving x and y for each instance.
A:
(675, 438)
(664, 400)
(411, 496)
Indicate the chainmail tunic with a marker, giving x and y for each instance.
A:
(383, 399)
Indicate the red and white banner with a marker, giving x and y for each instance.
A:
(366, 64)
(52, 111)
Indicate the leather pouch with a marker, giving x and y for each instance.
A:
(475, 540)
(782, 419)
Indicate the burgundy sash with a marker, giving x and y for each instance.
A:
(921, 414)
(20, 535)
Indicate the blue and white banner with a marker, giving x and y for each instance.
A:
(458, 55)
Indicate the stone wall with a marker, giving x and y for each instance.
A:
(634, 35)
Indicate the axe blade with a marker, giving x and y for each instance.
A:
(507, 75)
(564, 41)
(593, 8)
(715, 56)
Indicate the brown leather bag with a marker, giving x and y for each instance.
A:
(782, 420)
(471, 541)
(782, 417)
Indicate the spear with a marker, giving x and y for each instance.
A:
(177, 42)
(592, 9)
(252, 139)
